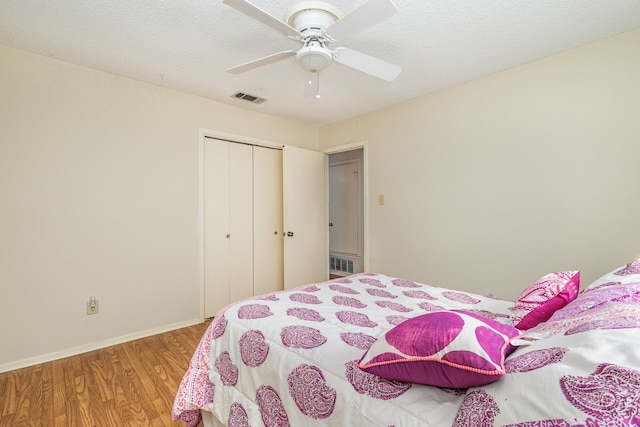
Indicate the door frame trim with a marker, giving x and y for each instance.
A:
(365, 193)
(203, 134)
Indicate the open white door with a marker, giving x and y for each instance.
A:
(305, 216)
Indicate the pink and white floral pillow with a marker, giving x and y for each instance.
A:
(454, 349)
(538, 302)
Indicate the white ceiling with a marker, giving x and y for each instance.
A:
(188, 44)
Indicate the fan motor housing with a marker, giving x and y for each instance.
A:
(311, 18)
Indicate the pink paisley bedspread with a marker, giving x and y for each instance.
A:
(288, 358)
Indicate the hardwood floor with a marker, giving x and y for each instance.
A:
(130, 384)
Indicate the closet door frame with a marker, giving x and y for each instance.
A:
(203, 134)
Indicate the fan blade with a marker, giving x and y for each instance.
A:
(367, 64)
(367, 14)
(260, 15)
(260, 62)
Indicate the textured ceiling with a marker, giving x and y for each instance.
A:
(187, 45)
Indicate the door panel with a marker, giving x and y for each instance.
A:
(241, 221)
(216, 226)
(268, 273)
(344, 208)
(305, 216)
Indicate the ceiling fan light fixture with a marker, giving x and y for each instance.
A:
(314, 58)
(307, 22)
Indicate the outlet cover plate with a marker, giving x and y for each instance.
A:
(92, 310)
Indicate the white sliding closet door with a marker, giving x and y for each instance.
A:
(254, 197)
(268, 267)
(216, 226)
(228, 224)
(305, 217)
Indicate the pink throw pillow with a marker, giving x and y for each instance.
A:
(455, 349)
(542, 298)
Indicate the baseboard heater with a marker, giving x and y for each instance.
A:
(341, 265)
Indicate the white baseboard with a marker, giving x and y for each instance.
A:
(94, 346)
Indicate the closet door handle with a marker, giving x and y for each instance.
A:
(228, 236)
(290, 233)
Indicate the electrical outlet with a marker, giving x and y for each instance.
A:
(92, 306)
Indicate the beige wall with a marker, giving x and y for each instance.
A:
(493, 183)
(99, 196)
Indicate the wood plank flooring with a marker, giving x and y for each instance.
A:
(130, 384)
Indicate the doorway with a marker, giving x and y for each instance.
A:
(346, 212)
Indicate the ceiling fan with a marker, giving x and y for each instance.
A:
(316, 24)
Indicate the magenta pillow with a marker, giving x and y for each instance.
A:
(542, 298)
(454, 349)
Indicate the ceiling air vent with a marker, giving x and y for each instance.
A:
(251, 98)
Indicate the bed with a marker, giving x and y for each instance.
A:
(374, 350)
